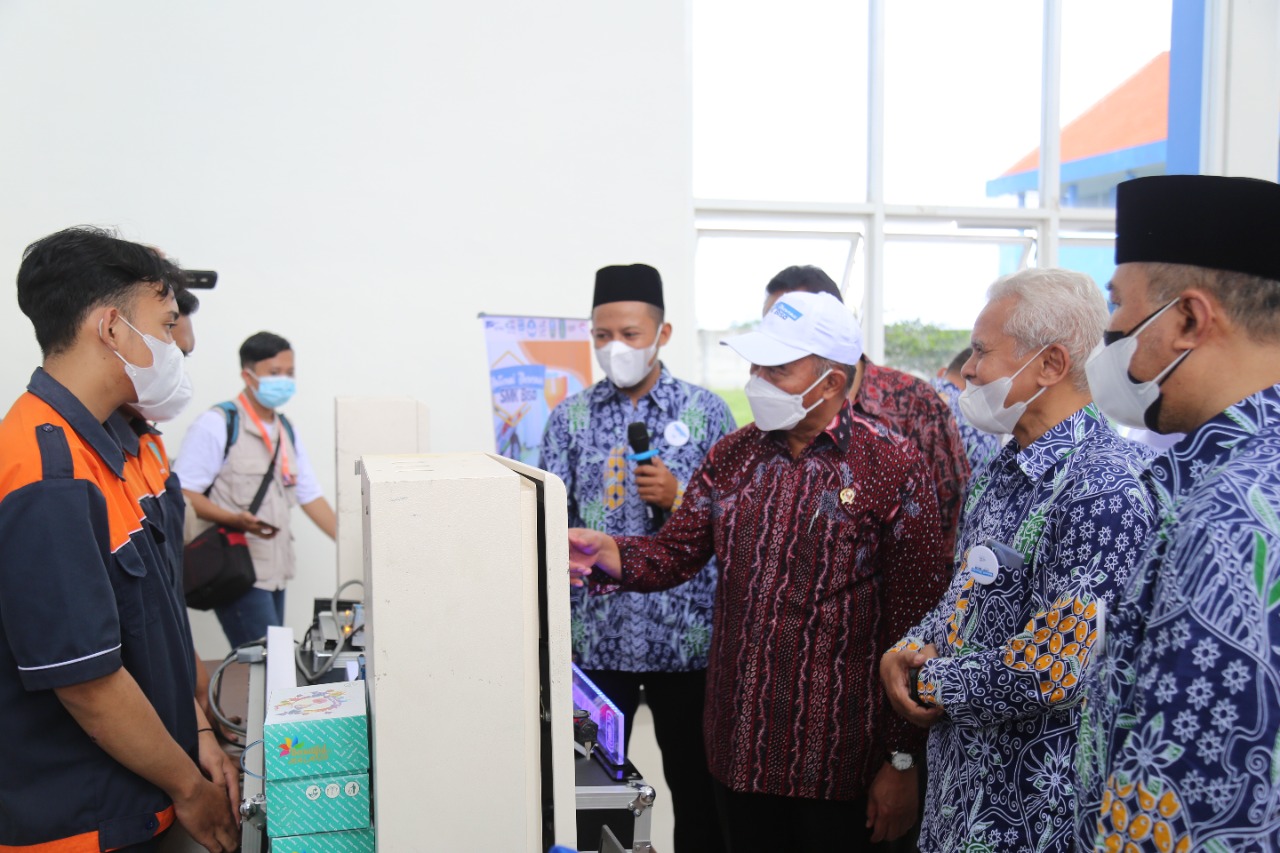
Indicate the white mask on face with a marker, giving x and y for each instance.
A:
(1120, 398)
(626, 366)
(774, 408)
(983, 405)
(163, 389)
(171, 408)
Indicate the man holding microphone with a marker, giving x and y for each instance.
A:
(625, 448)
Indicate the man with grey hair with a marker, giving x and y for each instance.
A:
(1051, 530)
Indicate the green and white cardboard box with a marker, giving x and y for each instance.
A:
(317, 804)
(350, 841)
(316, 730)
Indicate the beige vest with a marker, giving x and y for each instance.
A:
(237, 483)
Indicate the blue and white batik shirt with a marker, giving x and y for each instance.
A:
(1180, 742)
(1012, 645)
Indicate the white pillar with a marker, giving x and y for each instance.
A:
(1050, 135)
(364, 426)
(1240, 135)
(873, 294)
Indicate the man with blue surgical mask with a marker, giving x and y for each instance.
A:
(1180, 745)
(1052, 528)
(628, 642)
(225, 457)
(824, 526)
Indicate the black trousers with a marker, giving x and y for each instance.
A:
(676, 699)
(764, 823)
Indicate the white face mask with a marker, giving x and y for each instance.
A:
(172, 407)
(774, 408)
(626, 366)
(1130, 403)
(163, 389)
(983, 405)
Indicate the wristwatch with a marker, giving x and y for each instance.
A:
(902, 760)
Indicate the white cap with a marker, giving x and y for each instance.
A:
(801, 324)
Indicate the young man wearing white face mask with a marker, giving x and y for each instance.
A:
(1183, 715)
(225, 456)
(1052, 528)
(95, 656)
(825, 527)
(628, 641)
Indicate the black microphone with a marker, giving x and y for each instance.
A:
(638, 438)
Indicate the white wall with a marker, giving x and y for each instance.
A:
(365, 178)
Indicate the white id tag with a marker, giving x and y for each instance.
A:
(677, 434)
(983, 564)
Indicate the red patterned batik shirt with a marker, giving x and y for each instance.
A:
(824, 560)
(911, 408)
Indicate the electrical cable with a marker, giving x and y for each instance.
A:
(248, 747)
(307, 674)
(215, 688)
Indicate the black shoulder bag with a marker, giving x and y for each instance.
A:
(216, 566)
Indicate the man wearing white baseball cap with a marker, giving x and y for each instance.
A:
(825, 528)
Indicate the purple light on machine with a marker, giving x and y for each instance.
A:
(604, 714)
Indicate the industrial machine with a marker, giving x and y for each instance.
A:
(482, 734)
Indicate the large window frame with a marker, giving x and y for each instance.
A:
(1042, 229)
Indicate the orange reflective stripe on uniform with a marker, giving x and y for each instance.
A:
(85, 842)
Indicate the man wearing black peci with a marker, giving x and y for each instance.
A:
(628, 640)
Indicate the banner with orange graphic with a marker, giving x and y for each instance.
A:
(534, 363)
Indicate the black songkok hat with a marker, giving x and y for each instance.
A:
(634, 283)
(1228, 224)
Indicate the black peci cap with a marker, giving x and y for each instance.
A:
(1220, 223)
(633, 283)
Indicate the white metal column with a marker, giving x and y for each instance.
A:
(1239, 136)
(873, 294)
(1050, 135)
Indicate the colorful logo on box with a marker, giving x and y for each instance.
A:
(315, 702)
(299, 753)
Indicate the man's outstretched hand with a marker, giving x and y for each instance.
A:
(591, 549)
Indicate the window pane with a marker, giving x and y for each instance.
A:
(962, 96)
(1115, 102)
(780, 100)
(731, 273)
(1093, 255)
(932, 287)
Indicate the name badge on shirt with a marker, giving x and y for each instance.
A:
(677, 434)
(983, 565)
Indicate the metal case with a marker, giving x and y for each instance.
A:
(624, 807)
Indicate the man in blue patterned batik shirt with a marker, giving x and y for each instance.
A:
(1052, 528)
(628, 640)
(1180, 742)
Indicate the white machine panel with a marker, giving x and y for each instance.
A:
(452, 549)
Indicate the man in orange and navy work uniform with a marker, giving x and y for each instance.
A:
(95, 666)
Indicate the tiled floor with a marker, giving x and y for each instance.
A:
(648, 760)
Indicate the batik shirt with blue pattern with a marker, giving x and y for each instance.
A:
(585, 444)
(1180, 742)
(1011, 651)
(981, 447)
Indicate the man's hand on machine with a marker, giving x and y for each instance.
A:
(589, 550)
